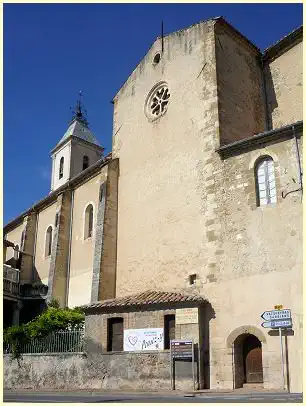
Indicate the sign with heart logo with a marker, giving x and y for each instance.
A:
(132, 339)
(144, 339)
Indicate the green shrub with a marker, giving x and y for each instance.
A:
(51, 319)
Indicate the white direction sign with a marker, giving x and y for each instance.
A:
(276, 315)
(277, 323)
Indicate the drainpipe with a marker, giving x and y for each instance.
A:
(300, 172)
(298, 157)
(70, 243)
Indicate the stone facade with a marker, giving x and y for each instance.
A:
(182, 214)
(58, 275)
(284, 83)
(96, 338)
(240, 86)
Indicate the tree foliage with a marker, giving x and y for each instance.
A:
(53, 318)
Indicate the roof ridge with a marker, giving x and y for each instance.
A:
(145, 298)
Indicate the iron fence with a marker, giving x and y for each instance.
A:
(58, 341)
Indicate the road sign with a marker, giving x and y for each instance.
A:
(182, 349)
(276, 315)
(277, 323)
(278, 318)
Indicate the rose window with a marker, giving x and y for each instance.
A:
(157, 101)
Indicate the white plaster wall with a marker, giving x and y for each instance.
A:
(78, 150)
(14, 236)
(64, 151)
(46, 217)
(82, 250)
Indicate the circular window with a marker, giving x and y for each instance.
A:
(157, 101)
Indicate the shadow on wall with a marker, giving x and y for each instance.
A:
(34, 294)
(286, 333)
(207, 313)
(270, 96)
(31, 294)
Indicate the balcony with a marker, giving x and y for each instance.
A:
(11, 278)
(14, 288)
(33, 291)
(11, 274)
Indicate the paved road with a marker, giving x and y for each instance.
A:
(101, 397)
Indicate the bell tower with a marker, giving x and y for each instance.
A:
(76, 151)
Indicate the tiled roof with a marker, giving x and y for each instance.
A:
(145, 298)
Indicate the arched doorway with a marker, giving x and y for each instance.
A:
(247, 360)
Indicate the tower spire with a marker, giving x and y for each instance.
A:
(79, 113)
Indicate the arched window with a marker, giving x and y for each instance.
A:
(88, 221)
(48, 247)
(85, 162)
(265, 181)
(61, 168)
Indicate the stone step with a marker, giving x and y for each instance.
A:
(252, 385)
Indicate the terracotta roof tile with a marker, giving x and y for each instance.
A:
(145, 298)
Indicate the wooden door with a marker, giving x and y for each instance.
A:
(115, 334)
(253, 366)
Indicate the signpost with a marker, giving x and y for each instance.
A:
(277, 323)
(279, 318)
(277, 315)
(180, 350)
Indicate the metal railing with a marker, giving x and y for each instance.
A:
(33, 290)
(11, 287)
(58, 341)
(11, 274)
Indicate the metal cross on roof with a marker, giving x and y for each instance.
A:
(79, 113)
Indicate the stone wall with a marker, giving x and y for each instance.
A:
(284, 83)
(96, 336)
(58, 271)
(108, 258)
(166, 165)
(96, 324)
(149, 371)
(240, 87)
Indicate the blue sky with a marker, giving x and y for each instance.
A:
(51, 51)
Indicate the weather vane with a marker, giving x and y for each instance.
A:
(79, 113)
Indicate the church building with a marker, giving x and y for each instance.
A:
(192, 225)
